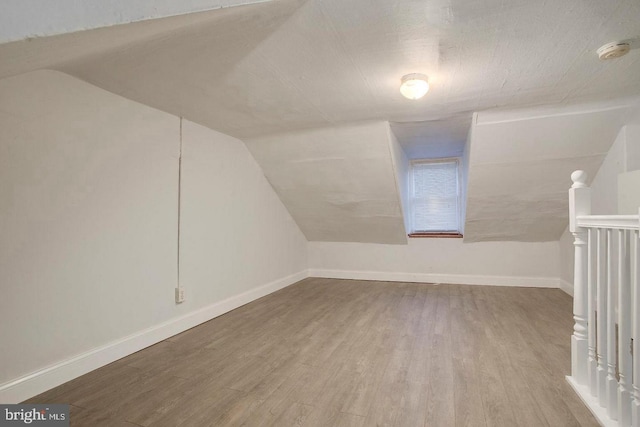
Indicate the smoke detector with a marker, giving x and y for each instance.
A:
(613, 50)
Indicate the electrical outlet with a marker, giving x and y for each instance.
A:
(179, 294)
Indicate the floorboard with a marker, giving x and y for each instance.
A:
(327, 352)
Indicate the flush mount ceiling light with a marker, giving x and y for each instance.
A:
(613, 50)
(414, 86)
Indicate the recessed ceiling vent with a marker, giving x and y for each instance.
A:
(613, 50)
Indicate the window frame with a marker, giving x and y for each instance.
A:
(437, 233)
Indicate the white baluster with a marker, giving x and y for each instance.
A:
(601, 326)
(635, 408)
(624, 329)
(612, 382)
(591, 309)
(579, 204)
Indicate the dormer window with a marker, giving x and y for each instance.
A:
(434, 198)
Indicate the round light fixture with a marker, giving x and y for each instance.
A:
(414, 86)
(613, 50)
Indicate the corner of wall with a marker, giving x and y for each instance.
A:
(400, 166)
(466, 157)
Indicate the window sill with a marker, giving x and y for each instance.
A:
(451, 235)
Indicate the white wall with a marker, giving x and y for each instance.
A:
(566, 258)
(88, 223)
(633, 144)
(439, 260)
(401, 170)
(623, 156)
(235, 231)
(604, 185)
(88, 184)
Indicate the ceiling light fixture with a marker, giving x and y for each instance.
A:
(613, 50)
(414, 86)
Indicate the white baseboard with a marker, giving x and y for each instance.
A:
(461, 279)
(565, 286)
(40, 381)
(592, 403)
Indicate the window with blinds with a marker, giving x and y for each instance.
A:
(435, 196)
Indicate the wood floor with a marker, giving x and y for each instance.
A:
(327, 352)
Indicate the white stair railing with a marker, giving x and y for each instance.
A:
(605, 362)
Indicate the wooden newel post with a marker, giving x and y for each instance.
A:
(579, 205)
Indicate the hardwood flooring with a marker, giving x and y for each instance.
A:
(327, 352)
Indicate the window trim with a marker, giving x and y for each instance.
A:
(442, 233)
(436, 235)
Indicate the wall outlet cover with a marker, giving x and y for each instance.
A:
(180, 294)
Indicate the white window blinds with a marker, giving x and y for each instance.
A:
(435, 196)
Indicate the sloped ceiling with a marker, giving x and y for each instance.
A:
(282, 67)
(338, 183)
(521, 163)
(20, 19)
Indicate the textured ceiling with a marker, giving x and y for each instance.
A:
(282, 67)
(521, 163)
(289, 65)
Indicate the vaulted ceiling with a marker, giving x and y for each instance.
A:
(283, 67)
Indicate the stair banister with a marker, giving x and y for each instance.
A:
(605, 344)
